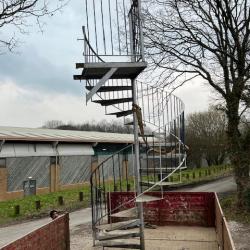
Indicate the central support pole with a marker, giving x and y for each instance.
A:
(137, 167)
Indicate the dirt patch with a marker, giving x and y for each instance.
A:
(81, 238)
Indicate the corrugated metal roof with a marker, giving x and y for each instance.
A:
(40, 134)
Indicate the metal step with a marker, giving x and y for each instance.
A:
(147, 198)
(161, 184)
(110, 88)
(122, 234)
(119, 225)
(113, 101)
(122, 113)
(129, 123)
(117, 244)
(157, 170)
(162, 144)
(128, 213)
(165, 170)
(125, 70)
(164, 156)
(147, 135)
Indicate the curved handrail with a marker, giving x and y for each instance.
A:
(98, 184)
(145, 191)
(90, 47)
(110, 157)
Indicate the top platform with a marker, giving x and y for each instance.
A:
(125, 70)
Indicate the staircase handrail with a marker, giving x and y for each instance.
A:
(87, 43)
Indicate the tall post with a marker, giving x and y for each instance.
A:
(137, 166)
(132, 26)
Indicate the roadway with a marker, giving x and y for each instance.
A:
(220, 186)
(83, 217)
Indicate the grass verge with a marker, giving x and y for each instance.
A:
(48, 202)
(231, 211)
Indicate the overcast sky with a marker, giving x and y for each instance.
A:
(36, 82)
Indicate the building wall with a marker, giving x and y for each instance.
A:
(74, 169)
(20, 168)
(52, 175)
(70, 172)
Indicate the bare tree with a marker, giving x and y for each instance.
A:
(52, 124)
(207, 40)
(17, 14)
(206, 136)
(102, 126)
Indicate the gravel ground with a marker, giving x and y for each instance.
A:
(241, 235)
(81, 237)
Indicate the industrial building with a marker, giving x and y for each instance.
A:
(55, 159)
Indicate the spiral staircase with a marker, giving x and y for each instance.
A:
(155, 160)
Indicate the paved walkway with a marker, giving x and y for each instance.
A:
(14, 232)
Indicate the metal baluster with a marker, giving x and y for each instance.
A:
(113, 163)
(95, 27)
(111, 30)
(119, 168)
(103, 30)
(118, 28)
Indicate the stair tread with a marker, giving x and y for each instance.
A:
(119, 244)
(113, 101)
(125, 70)
(118, 225)
(120, 235)
(129, 123)
(159, 170)
(121, 231)
(128, 213)
(166, 156)
(147, 198)
(122, 113)
(163, 144)
(110, 88)
(164, 183)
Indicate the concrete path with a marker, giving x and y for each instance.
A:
(220, 186)
(14, 232)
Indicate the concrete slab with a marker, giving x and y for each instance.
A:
(179, 238)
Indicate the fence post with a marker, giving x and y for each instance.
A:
(80, 196)
(17, 209)
(60, 200)
(38, 204)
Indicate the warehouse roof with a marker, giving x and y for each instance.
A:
(51, 135)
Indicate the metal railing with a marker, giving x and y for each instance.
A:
(113, 27)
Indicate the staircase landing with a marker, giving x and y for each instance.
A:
(125, 70)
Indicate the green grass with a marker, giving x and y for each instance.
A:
(198, 174)
(48, 202)
(231, 211)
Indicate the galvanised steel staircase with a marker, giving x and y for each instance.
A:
(113, 59)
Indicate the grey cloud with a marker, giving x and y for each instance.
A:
(31, 70)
